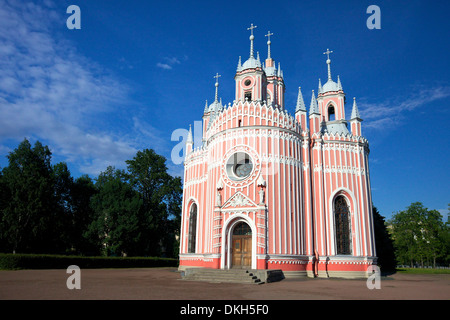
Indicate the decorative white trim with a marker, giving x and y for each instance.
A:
(227, 235)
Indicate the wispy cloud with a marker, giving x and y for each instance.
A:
(164, 66)
(51, 93)
(392, 111)
(169, 63)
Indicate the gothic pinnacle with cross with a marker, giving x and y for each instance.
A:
(251, 38)
(328, 63)
(217, 76)
(268, 43)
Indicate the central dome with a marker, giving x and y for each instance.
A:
(251, 63)
(330, 86)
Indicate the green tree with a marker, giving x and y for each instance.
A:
(434, 233)
(161, 196)
(419, 235)
(117, 224)
(62, 213)
(383, 243)
(83, 189)
(26, 216)
(4, 199)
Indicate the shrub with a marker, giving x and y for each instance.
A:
(11, 261)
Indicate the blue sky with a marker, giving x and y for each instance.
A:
(137, 71)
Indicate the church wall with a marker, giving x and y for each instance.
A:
(281, 171)
(344, 173)
(304, 171)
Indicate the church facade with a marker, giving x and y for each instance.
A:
(271, 190)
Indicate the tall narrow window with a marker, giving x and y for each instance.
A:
(342, 225)
(331, 114)
(248, 96)
(192, 228)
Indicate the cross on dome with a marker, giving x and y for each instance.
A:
(217, 76)
(328, 53)
(251, 38)
(251, 28)
(268, 43)
(328, 62)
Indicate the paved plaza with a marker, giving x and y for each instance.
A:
(166, 284)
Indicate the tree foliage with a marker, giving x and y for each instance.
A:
(43, 209)
(29, 211)
(383, 243)
(420, 236)
(117, 214)
(137, 212)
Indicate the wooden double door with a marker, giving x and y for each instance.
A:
(241, 254)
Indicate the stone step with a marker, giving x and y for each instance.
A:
(218, 275)
(222, 277)
(232, 275)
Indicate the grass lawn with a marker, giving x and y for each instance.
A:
(423, 271)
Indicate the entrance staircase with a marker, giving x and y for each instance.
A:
(232, 275)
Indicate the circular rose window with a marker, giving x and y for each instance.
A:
(239, 166)
(247, 82)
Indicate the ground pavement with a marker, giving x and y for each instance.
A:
(166, 284)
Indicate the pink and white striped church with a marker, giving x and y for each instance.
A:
(271, 190)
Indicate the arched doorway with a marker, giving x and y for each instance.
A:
(342, 226)
(241, 246)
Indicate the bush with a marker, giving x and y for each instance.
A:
(9, 261)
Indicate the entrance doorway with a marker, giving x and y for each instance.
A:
(241, 246)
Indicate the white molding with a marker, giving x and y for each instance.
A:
(228, 225)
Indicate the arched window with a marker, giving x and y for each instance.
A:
(192, 228)
(331, 113)
(342, 226)
(242, 229)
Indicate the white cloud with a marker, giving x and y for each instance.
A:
(169, 63)
(391, 112)
(163, 66)
(51, 93)
(172, 60)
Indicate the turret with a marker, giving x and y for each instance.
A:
(257, 82)
(314, 115)
(300, 110)
(331, 97)
(189, 141)
(355, 120)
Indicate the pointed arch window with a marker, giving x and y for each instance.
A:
(192, 228)
(342, 226)
(331, 113)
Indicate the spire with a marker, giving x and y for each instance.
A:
(268, 44)
(239, 63)
(279, 70)
(339, 84)
(320, 87)
(206, 107)
(328, 63)
(217, 76)
(189, 137)
(314, 108)
(252, 37)
(257, 59)
(300, 103)
(355, 112)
